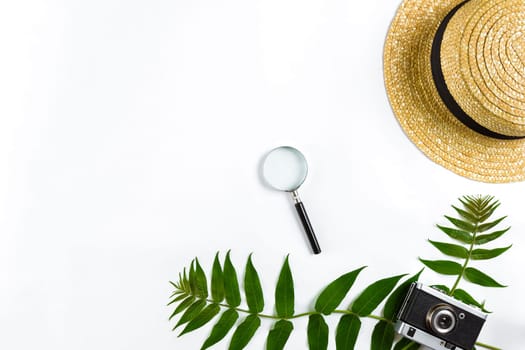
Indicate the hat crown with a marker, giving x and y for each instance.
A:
(483, 63)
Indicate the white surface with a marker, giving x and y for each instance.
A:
(130, 142)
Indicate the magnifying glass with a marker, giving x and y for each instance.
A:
(285, 169)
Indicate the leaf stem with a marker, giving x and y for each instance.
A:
(346, 312)
(245, 310)
(486, 346)
(304, 314)
(467, 260)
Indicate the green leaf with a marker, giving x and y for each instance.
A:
(178, 286)
(467, 203)
(458, 235)
(484, 254)
(181, 296)
(466, 215)
(406, 344)
(279, 335)
(221, 328)
(244, 333)
(334, 293)
(183, 306)
(185, 282)
(192, 280)
(451, 249)
(191, 312)
(317, 332)
(373, 295)
(489, 211)
(284, 292)
(485, 200)
(466, 298)
(396, 298)
(178, 298)
(252, 288)
(201, 284)
(475, 276)
(231, 284)
(217, 281)
(347, 332)
(462, 225)
(202, 318)
(479, 202)
(382, 336)
(489, 237)
(489, 225)
(442, 288)
(175, 293)
(443, 267)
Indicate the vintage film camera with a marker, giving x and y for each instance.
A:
(436, 320)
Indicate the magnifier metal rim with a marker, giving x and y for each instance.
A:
(303, 162)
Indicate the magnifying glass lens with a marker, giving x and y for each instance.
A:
(285, 169)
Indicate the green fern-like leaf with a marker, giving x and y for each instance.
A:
(465, 297)
(406, 344)
(284, 292)
(394, 301)
(317, 332)
(347, 331)
(333, 294)
(382, 336)
(244, 332)
(231, 283)
(217, 280)
(279, 335)
(198, 307)
(197, 304)
(373, 295)
(252, 288)
(472, 227)
(221, 328)
(202, 318)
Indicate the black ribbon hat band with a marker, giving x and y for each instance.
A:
(441, 86)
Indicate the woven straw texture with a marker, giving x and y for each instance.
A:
(483, 61)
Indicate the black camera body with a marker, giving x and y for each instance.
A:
(434, 319)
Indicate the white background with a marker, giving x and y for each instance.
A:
(130, 141)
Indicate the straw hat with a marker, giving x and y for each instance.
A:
(455, 77)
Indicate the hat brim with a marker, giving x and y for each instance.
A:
(422, 114)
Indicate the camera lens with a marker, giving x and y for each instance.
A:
(441, 319)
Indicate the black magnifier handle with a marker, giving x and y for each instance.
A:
(309, 230)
